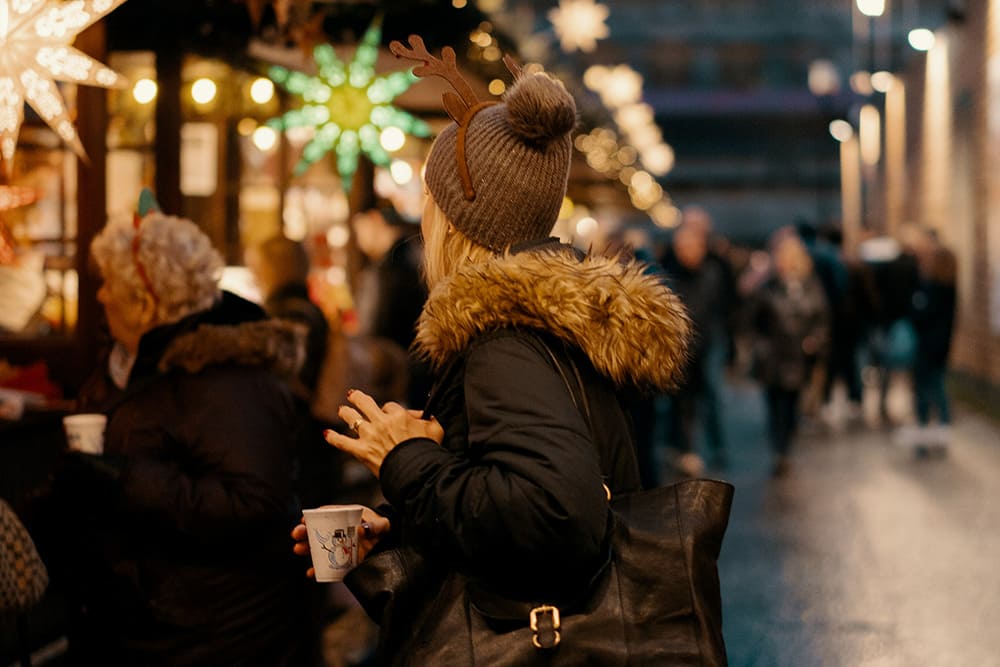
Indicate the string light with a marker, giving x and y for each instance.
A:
(401, 172)
(921, 39)
(841, 130)
(262, 90)
(203, 91)
(144, 91)
(579, 24)
(264, 138)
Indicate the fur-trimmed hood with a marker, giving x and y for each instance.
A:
(277, 344)
(630, 325)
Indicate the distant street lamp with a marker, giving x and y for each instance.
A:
(871, 7)
(882, 81)
(921, 39)
(841, 130)
(824, 79)
(870, 135)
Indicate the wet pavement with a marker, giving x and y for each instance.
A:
(865, 554)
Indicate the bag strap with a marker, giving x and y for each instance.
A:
(584, 401)
(583, 405)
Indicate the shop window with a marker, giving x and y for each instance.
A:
(38, 221)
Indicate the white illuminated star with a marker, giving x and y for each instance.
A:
(35, 52)
(579, 24)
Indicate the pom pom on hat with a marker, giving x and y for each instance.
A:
(539, 109)
(518, 156)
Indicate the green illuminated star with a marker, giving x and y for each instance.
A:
(347, 105)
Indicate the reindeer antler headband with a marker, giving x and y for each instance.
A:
(461, 107)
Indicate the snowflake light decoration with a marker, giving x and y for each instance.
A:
(348, 106)
(35, 52)
(579, 24)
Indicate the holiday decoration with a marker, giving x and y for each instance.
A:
(348, 106)
(12, 197)
(579, 24)
(35, 37)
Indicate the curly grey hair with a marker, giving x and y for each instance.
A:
(182, 267)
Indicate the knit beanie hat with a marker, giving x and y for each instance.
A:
(499, 172)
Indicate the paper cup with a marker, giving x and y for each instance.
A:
(85, 433)
(333, 539)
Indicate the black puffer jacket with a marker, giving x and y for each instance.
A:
(515, 495)
(194, 565)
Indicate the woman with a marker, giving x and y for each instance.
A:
(791, 320)
(502, 478)
(176, 558)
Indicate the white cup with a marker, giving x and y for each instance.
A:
(85, 432)
(333, 539)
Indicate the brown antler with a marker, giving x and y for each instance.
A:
(446, 68)
(512, 66)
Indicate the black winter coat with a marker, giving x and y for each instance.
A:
(191, 560)
(514, 496)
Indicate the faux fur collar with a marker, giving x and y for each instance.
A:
(630, 325)
(276, 344)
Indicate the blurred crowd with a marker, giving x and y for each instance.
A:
(843, 339)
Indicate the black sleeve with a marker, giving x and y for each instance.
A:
(529, 489)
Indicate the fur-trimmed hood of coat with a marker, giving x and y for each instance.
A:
(627, 321)
(276, 344)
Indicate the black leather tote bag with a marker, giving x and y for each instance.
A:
(656, 602)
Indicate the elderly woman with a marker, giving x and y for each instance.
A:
(504, 478)
(195, 476)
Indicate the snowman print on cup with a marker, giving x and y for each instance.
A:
(339, 546)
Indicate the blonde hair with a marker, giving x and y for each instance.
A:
(446, 248)
(181, 268)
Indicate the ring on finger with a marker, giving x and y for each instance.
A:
(356, 423)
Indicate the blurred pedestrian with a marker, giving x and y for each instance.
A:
(791, 320)
(507, 482)
(703, 287)
(389, 295)
(933, 316)
(173, 534)
(832, 275)
(895, 273)
(851, 317)
(280, 267)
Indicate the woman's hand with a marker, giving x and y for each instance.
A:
(379, 429)
(373, 527)
(301, 546)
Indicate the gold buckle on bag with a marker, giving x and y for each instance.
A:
(533, 616)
